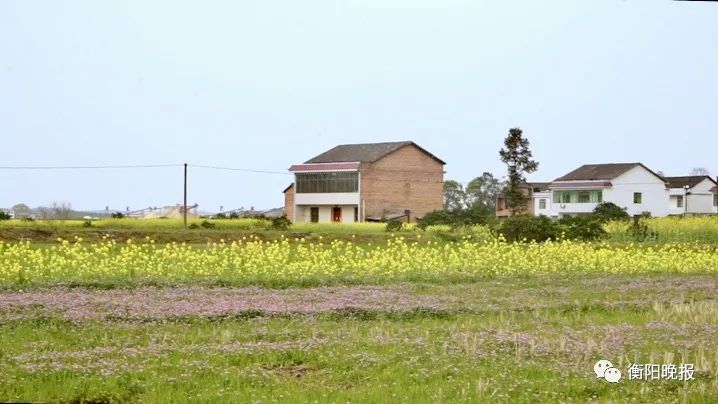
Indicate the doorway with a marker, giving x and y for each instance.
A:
(336, 214)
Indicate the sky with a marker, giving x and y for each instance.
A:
(265, 84)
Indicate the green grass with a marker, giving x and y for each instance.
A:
(519, 338)
(172, 230)
(703, 230)
(177, 224)
(512, 339)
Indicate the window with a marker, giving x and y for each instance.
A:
(595, 196)
(314, 215)
(329, 182)
(584, 196)
(715, 200)
(542, 204)
(637, 197)
(679, 201)
(500, 203)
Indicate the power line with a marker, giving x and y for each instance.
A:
(88, 167)
(248, 170)
(126, 166)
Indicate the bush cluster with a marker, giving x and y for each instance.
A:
(235, 215)
(280, 223)
(4, 215)
(609, 211)
(394, 225)
(455, 218)
(529, 228)
(542, 228)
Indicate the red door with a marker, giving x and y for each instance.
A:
(336, 215)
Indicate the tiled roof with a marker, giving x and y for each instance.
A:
(690, 181)
(584, 184)
(325, 166)
(365, 152)
(592, 172)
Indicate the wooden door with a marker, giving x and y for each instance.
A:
(336, 215)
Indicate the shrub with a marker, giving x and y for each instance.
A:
(4, 215)
(584, 228)
(529, 228)
(608, 211)
(640, 231)
(394, 225)
(234, 215)
(447, 236)
(220, 216)
(280, 223)
(193, 226)
(435, 218)
(117, 215)
(206, 224)
(87, 223)
(478, 214)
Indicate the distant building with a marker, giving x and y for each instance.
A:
(359, 182)
(536, 194)
(632, 186)
(692, 195)
(174, 212)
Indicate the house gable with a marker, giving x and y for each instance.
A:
(697, 182)
(639, 173)
(365, 152)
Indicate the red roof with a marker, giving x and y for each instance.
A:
(325, 166)
(576, 184)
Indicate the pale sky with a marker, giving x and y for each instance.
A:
(265, 84)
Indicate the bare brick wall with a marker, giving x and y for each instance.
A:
(405, 179)
(289, 203)
(503, 211)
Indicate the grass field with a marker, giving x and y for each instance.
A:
(702, 230)
(327, 313)
(509, 339)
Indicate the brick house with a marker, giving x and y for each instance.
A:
(359, 182)
(536, 194)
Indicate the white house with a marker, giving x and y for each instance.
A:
(692, 195)
(632, 186)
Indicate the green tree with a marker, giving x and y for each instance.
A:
(483, 191)
(453, 195)
(518, 158)
(21, 208)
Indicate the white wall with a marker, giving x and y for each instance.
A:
(303, 213)
(339, 198)
(562, 209)
(700, 199)
(673, 208)
(638, 179)
(537, 198)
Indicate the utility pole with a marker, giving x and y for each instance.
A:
(184, 209)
